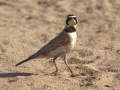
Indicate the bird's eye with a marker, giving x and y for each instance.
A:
(74, 17)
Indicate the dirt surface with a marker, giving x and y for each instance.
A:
(27, 25)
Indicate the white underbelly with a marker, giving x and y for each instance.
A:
(62, 49)
(59, 50)
(73, 37)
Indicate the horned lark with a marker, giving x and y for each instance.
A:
(60, 45)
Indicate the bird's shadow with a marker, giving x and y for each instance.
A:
(14, 74)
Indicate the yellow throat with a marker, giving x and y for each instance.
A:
(72, 22)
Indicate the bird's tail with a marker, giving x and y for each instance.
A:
(28, 59)
(22, 62)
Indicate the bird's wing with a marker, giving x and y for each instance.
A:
(61, 39)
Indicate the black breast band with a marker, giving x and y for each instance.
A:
(70, 29)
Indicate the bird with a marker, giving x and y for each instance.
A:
(59, 46)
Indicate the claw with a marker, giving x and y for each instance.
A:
(54, 73)
(72, 75)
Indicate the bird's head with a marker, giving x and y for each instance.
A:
(71, 20)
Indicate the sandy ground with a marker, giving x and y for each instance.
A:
(27, 25)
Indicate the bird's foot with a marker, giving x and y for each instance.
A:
(54, 73)
(72, 75)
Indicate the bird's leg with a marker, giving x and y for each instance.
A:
(55, 62)
(65, 61)
(55, 65)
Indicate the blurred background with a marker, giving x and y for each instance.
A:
(27, 25)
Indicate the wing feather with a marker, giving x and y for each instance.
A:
(61, 39)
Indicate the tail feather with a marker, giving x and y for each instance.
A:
(28, 59)
(22, 62)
